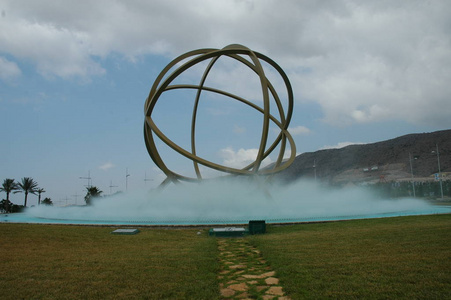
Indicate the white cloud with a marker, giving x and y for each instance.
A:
(383, 63)
(299, 130)
(340, 145)
(55, 50)
(241, 158)
(106, 166)
(361, 61)
(8, 69)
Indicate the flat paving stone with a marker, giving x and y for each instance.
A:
(227, 292)
(269, 274)
(241, 287)
(243, 269)
(252, 276)
(275, 290)
(237, 267)
(272, 280)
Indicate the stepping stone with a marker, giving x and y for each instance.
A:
(227, 292)
(252, 276)
(238, 267)
(240, 287)
(275, 290)
(243, 267)
(272, 280)
(269, 274)
(243, 296)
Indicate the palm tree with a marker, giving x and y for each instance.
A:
(92, 192)
(28, 185)
(8, 186)
(40, 191)
(5, 205)
(47, 201)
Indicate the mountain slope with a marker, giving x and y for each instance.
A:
(381, 161)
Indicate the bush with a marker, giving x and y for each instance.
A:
(17, 208)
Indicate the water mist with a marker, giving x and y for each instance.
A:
(235, 201)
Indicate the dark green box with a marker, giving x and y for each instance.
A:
(257, 227)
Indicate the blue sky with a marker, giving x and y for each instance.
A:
(74, 76)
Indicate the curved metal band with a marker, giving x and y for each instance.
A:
(162, 84)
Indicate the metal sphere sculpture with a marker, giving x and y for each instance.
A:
(250, 59)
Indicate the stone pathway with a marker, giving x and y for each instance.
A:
(244, 273)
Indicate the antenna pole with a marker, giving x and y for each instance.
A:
(88, 178)
(111, 185)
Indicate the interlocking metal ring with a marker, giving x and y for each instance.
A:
(250, 59)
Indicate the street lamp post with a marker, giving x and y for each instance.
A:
(314, 168)
(411, 173)
(439, 172)
(126, 179)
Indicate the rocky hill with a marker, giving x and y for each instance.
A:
(381, 161)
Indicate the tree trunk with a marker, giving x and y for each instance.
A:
(25, 203)
(7, 203)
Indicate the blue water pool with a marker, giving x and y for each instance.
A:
(27, 218)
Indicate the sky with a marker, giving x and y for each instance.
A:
(74, 76)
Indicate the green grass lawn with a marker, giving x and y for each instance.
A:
(407, 257)
(74, 262)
